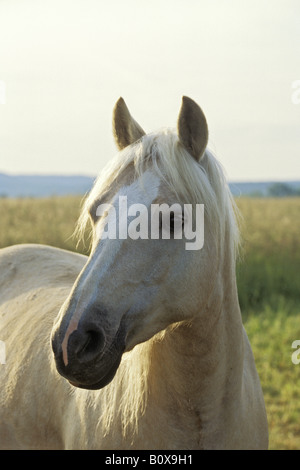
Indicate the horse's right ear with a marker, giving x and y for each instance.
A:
(192, 128)
(125, 129)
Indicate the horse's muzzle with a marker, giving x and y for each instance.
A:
(88, 360)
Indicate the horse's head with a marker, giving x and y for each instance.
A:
(154, 254)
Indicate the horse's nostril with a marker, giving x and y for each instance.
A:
(91, 346)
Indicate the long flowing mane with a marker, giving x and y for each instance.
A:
(191, 181)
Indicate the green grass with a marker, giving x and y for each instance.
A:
(50, 221)
(268, 275)
(271, 333)
(269, 268)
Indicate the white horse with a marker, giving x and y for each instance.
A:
(149, 334)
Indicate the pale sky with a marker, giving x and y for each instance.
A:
(64, 63)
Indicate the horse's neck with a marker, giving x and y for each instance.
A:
(199, 364)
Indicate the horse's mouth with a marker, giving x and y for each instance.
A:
(105, 379)
(96, 373)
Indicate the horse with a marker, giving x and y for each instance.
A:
(141, 344)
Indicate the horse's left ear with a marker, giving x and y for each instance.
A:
(192, 128)
(126, 130)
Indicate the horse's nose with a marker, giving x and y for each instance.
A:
(86, 343)
(79, 347)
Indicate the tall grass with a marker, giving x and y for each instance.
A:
(269, 267)
(268, 275)
(49, 221)
(269, 292)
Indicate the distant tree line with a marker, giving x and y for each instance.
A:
(282, 190)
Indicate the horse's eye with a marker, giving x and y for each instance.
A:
(172, 222)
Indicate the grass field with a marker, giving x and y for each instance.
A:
(268, 276)
(269, 291)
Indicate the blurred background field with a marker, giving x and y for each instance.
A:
(268, 276)
(268, 281)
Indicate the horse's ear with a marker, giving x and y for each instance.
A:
(125, 129)
(192, 128)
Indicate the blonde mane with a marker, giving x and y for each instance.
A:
(125, 398)
(191, 181)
